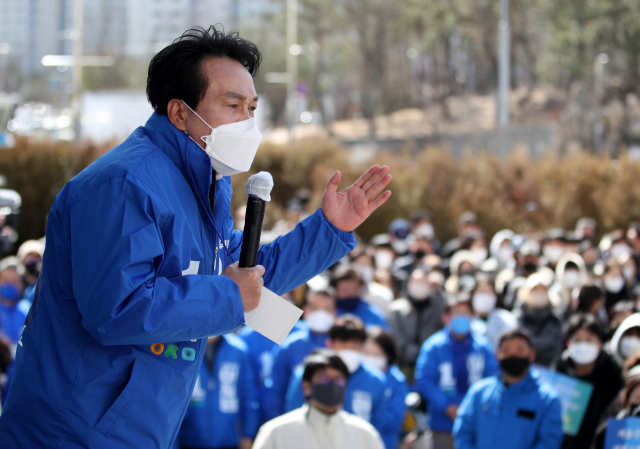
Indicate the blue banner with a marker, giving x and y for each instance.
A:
(622, 434)
(574, 396)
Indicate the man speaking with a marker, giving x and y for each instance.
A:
(140, 266)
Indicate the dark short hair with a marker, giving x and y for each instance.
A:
(588, 295)
(585, 321)
(321, 359)
(347, 327)
(176, 71)
(516, 333)
(385, 341)
(459, 299)
(344, 272)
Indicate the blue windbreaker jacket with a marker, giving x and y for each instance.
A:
(396, 391)
(446, 368)
(286, 359)
(368, 313)
(526, 415)
(115, 337)
(365, 395)
(224, 405)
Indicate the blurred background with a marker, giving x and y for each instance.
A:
(525, 112)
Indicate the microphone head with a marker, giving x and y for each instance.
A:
(260, 185)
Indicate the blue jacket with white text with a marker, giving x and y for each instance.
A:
(224, 405)
(130, 290)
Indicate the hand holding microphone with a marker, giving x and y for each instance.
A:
(246, 273)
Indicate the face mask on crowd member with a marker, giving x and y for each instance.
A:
(515, 354)
(379, 350)
(457, 316)
(10, 286)
(346, 337)
(422, 225)
(384, 257)
(324, 381)
(365, 265)
(613, 279)
(553, 251)
(584, 337)
(30, 255)
(630, 343)
(537, 294)
(348, 284)
(628, 268)
(419, 289)
(484, 299)
(320, 311)
(479, 250)
(571, 276)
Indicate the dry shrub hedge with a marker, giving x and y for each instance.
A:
(518, 193)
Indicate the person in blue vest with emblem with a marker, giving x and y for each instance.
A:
(319, 315)
(366, 388)
(449, 362)
(140, 266)
(224, 412)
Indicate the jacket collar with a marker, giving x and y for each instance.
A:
(175, 143)
(316, 418)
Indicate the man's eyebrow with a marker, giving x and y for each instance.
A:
(238, 96)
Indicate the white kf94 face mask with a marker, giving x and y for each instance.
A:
(231, 147)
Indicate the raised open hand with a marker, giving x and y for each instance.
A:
(347, 209)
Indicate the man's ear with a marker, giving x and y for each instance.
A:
(177, 114)
(532, 356)
(445, 318)
(306, 389)
(328, 344)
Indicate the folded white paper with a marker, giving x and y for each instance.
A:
(274, 317)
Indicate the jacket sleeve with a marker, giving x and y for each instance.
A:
(295, 396)
(464, 427)
(550, 434)
(116, 248)
(426, 379)
(294, 258)
(380, 411)
(250, 404)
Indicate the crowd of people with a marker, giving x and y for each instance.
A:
(470, 325)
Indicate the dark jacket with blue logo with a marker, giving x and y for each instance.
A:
(365, 395)
(447, 367)
(224, 405)
(114, 339)
(526, 415)
(287, 358)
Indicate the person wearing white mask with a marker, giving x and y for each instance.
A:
(501, 248)
(553, 247)
(365, 394)
(373, 293)
(319, 313)
(571, 274)
(585, 360)
(536, 315)
(614, 284)
(484, 301)
(416, 316)
(380, 351)
(625, 342)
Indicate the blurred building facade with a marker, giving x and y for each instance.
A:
(31, 29)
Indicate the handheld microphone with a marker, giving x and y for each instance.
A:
(259, 190)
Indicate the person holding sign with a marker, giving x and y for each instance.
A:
(585, 360)
(630, 402)
(512, 410)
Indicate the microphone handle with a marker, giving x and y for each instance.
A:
(251, 232)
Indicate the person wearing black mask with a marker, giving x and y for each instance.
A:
(513, 409)
(348, 285)
(415, 317)
(30, 256)
(321, 423)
